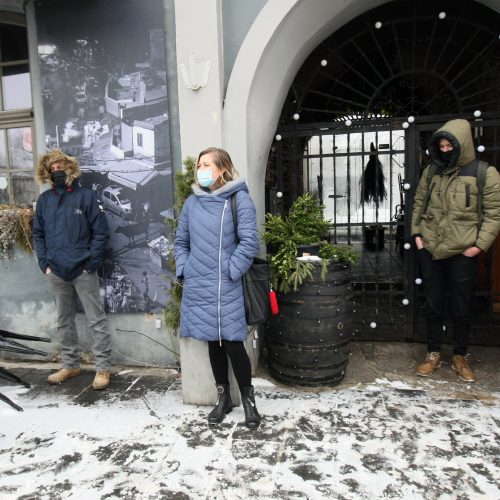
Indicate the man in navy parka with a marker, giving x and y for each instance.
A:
(71, 233)
(211, 262)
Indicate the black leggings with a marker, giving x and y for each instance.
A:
(240, 362)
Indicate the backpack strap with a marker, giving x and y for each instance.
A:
(234, 210)
(430, 174)
(482, 167)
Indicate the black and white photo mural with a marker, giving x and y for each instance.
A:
(104, 91)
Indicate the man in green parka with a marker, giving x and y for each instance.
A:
(450, 231)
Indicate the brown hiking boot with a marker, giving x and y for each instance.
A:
(101, 381)
(431, 363)
(62, 375)
(461, 366)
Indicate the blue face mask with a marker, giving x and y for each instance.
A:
(205, 178)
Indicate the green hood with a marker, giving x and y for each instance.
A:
(459, 133)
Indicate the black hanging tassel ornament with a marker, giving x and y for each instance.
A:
(373, 181)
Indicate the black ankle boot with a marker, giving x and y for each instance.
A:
(252, 417)
(224, 405)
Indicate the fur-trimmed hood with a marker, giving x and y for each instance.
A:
(56, 156)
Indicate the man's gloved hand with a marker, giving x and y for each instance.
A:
(88, 268)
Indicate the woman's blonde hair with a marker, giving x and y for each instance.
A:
(223, 161)
(57, 156)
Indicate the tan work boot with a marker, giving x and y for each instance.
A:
(431, 363)
(62, 375)
(101, 381)
(461, 366)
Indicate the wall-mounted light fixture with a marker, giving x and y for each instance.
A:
(195, 73)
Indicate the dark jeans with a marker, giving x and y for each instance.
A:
(457, 277)
(240, 362)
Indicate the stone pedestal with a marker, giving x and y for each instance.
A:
(198, 384)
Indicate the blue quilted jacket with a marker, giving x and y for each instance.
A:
(212, 264)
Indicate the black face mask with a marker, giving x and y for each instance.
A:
(58, 178)
(445, 156)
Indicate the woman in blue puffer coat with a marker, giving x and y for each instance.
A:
(211, 261)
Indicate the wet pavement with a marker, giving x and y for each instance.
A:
(382, 433)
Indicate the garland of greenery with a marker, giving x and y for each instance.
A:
(15, 227)
(183, 182)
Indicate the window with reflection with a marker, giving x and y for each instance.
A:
(17, 184)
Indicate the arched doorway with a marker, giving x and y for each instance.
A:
(380, 85)
(404, 57)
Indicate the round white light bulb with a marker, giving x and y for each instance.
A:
(324, 62)
(348, 123)
(406, 186)
(3, 182)
(279, 194)
(405, 125)
(278, 137)
(427, 152)
(418, 281)
(407, 246)
(296, 116)
(411, 119)
(481, 149)
(378, 25)
(442, 15)
(373, 324)
(405, 302)
(477, 113)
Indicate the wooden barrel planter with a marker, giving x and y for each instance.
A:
(308, 341)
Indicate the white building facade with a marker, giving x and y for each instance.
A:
(230, 66)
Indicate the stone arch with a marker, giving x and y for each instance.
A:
(279, 41)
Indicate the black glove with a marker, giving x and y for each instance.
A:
(88, 268)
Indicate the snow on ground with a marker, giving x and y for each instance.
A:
(385, 440)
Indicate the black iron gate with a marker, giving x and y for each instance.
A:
(331, 161)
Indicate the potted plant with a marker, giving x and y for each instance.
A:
(308, 341)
